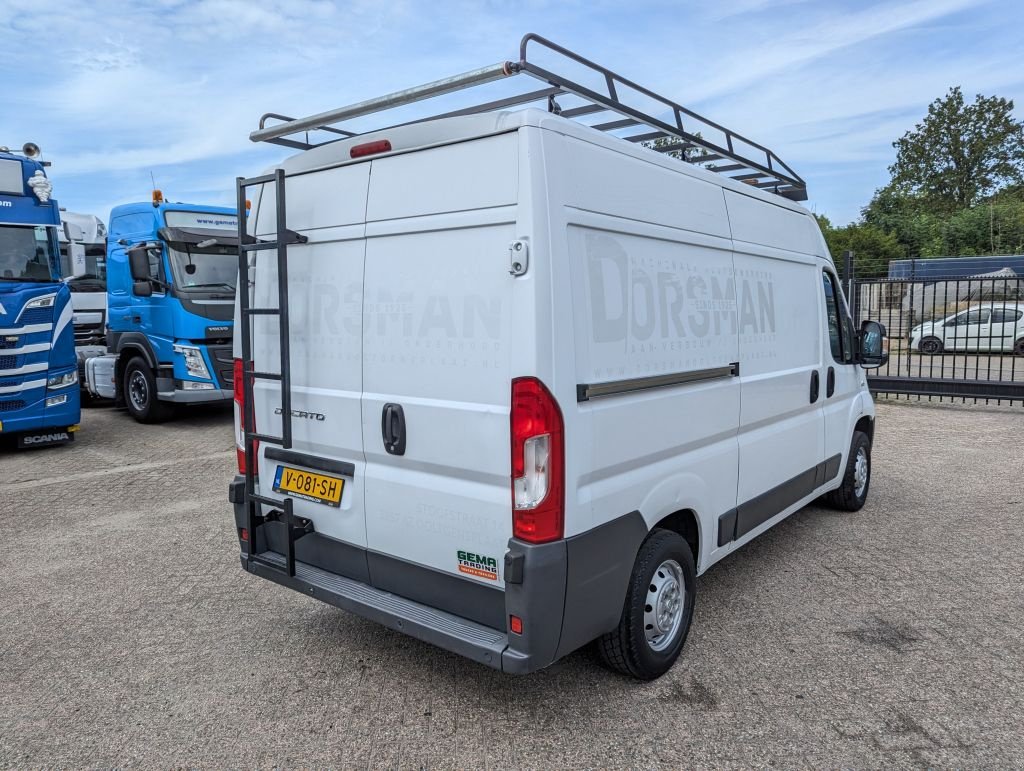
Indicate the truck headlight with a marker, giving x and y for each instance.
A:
(62, 381)
(56, 401)
(45, 301)
(194, 362)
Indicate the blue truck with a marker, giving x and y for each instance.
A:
(171, 275)
(39, 399)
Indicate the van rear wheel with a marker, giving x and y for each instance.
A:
(140, 395)
(853, 492)
(657, 612)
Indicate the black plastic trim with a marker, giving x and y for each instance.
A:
(342, 467)
(587, 391)
(758, 510)
(600, 562)
(120, 342)
(727, 527)
(464, 597)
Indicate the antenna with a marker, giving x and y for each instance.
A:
(152, 179)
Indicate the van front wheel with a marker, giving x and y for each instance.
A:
(140, 394)
(853, 492)
(657, 612)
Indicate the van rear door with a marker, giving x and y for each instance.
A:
(437, 334)
(325, 307)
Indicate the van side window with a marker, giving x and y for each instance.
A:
(837, 337)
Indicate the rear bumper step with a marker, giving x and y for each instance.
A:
(445, 630)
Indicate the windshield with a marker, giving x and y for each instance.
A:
(214, 268)
(27, 253)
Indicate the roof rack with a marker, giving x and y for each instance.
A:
(663, 126)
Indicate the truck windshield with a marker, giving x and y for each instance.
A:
(214, 269)
(26, 253)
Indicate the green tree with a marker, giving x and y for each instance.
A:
(872, 247)
(960, 152)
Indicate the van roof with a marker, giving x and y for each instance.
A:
(644, 117)
(420, 135)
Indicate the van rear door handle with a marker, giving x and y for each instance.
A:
(392, 428)
(830, 382)
(815, 386)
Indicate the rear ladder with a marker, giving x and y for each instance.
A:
(280, 511)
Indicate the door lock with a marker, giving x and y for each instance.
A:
(519, 257)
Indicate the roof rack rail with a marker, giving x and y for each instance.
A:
(669, 128)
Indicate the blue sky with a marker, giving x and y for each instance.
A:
(114, 91)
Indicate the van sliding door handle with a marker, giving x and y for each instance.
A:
(830, 382)
(392, 428)
(815, 386)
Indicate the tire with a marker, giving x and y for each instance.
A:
(664, 559)
(139, 388)
(852, 494)
(930, 346)
(1018, 347)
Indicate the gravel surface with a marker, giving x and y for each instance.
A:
(129, 635)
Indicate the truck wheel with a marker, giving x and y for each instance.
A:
(657, 612)
(853, 492)
(140, 393)
(930, 346)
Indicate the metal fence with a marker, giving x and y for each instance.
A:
(949, 337)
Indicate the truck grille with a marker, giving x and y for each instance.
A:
(8, 342)
(11, 405)
(36, 316)
(90, 334)
(9, 362)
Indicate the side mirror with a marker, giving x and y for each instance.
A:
(142, 288)
(138, 262)
(873, 345)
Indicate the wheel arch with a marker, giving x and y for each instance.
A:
(685, 523)
(866, 425)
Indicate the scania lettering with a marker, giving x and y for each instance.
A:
(39, 400)
(170, 273)
(562, 373)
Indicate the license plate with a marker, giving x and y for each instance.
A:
(318, 488)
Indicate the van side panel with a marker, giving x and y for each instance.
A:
(437, 332)
(651, 299)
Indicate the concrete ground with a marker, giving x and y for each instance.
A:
(129, 636)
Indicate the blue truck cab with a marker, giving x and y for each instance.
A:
(171, 275)
(39, 399)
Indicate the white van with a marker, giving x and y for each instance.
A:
(539, 376)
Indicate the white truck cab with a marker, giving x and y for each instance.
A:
(508, 382)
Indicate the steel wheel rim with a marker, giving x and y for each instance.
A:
(860, 473)
(930, 346)
(663, 608)
(138, 390)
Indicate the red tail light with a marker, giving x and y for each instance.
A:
(239, 388)
(538, 463)
(370, 148)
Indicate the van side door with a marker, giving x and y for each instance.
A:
(781, 436)
(842, 378)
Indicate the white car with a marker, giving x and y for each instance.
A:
(994, 326)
